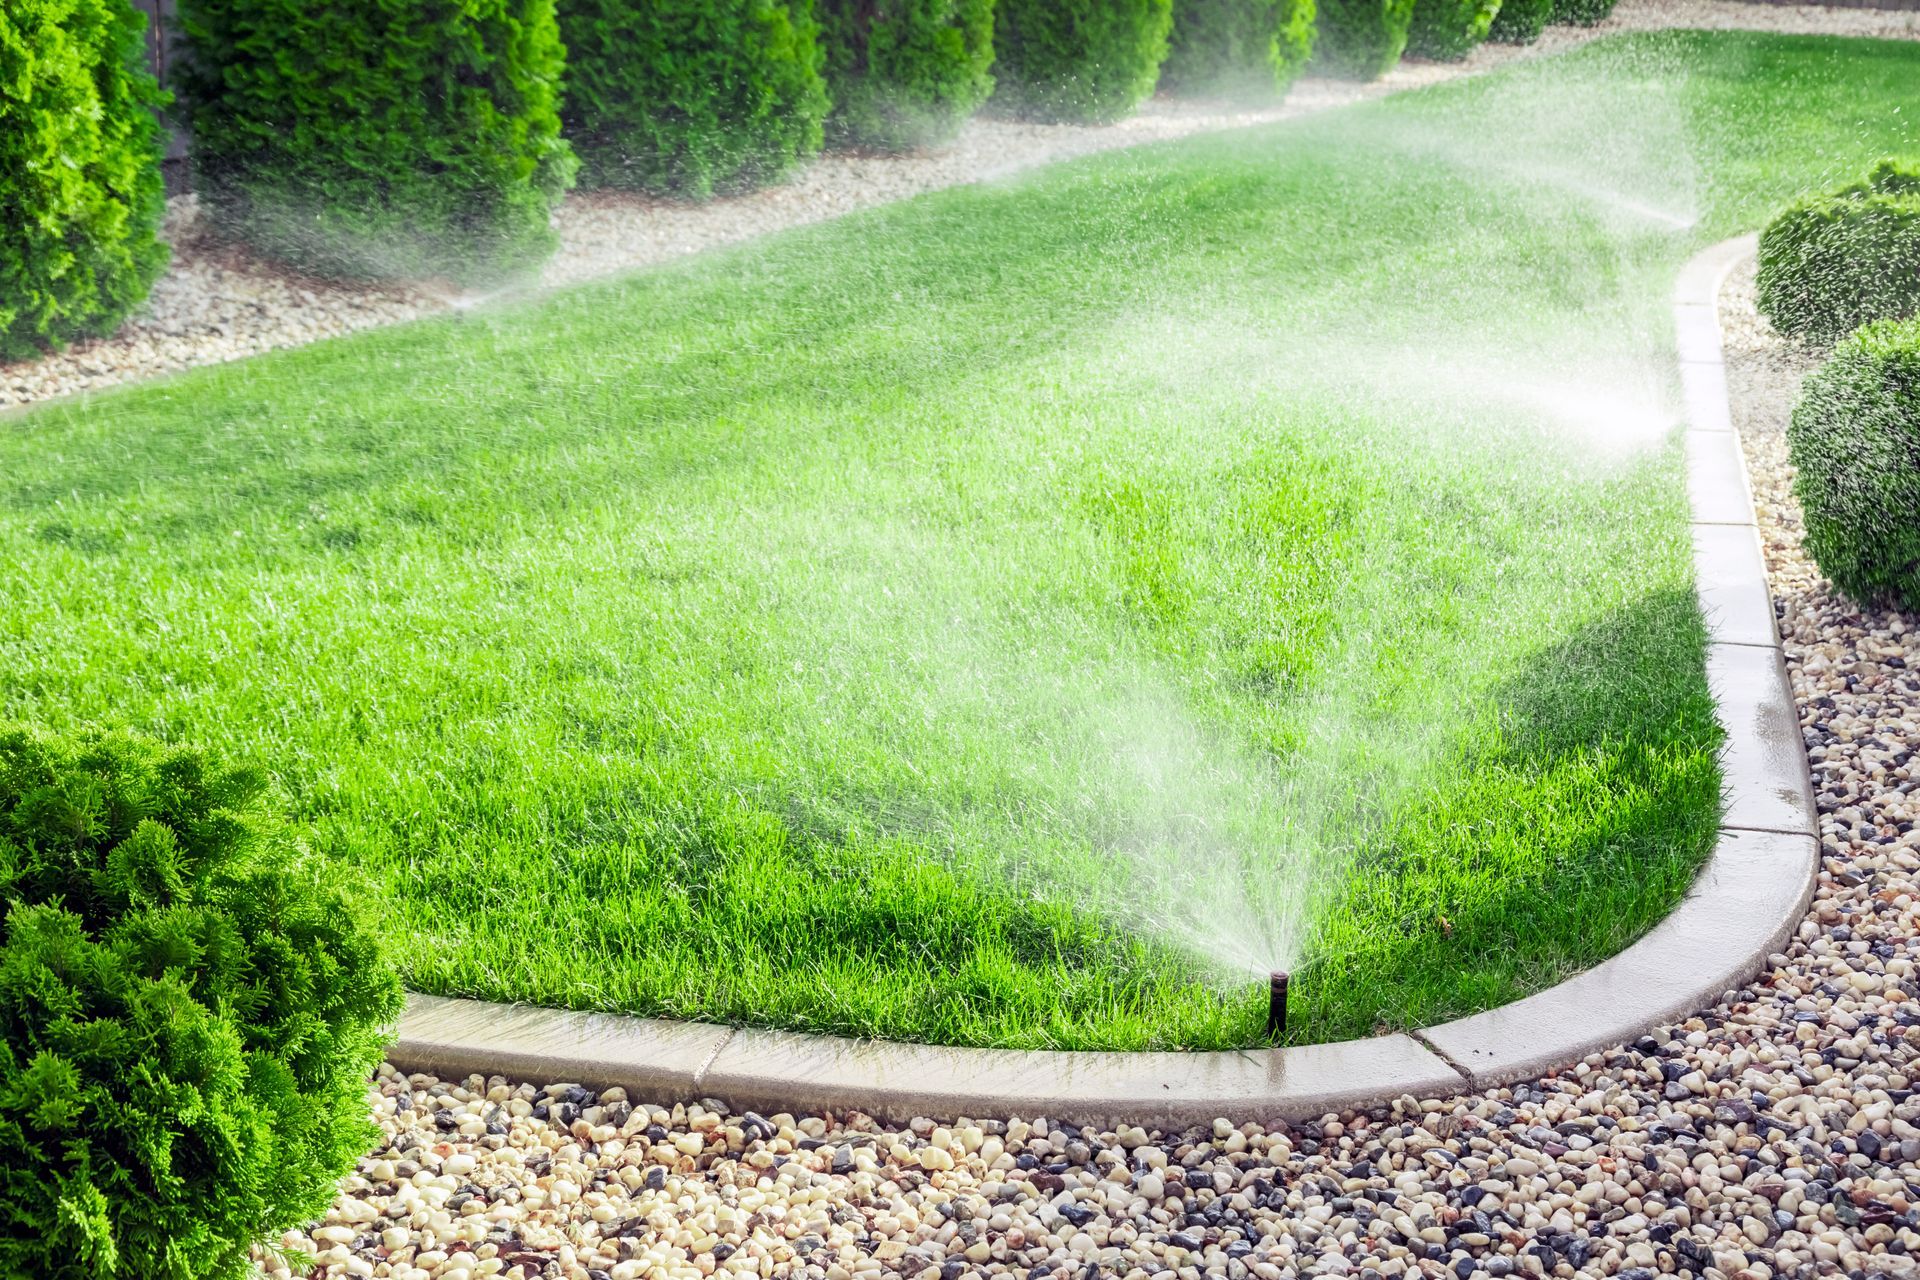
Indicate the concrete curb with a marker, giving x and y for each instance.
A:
(782, 1071)
(1746, 903)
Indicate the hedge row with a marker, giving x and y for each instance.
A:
(383, 138)
(1366, 38)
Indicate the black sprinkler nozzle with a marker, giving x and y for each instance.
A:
(1277, 1006)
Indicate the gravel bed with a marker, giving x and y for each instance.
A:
(1777, 1134)
(218, 303)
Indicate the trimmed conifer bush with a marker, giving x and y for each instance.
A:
(1078, 61)
(905, 73)
(1252, 48)
(1582, 13)
(1362, 38)
(379, 138)
(1520, 21)
(1448, 30)
(692, 97)
(1833, 263)
(1855, 441)
(191, 1007)
(80, 190)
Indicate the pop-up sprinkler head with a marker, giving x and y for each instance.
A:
(1277, 1006)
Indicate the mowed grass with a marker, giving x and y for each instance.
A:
(992, 618)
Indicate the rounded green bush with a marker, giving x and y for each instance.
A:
(1079, 61)
(1252, 48)
(1520, 21)
(1833, 263)
(905, 73)
(191, 1004)
(692, 97)
(1362, 39)
(80, 190)
(1448, 30)
(379, 138)
(1582, 13)
(1855, 441)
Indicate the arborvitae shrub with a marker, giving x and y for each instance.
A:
(1831, 264)
(905, 73)
(1449, 29)
(1078, 61)
(1520, 21)
(692, 97)
(370, 138)
(80, 191)
(1855, 441)
(1584, 13)
(1238, 47)
(191, 1008)
(1362, 38)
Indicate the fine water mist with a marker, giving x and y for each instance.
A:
(1230, 844)
(1118, 784)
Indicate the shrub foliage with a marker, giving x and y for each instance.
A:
(1239, 47)
(1835, 262)
(1583, 13)
(1362, 38)
(1082, 61)
(1520, 21)
(1449, 29)
(692, 97)
(1855, 440)
(191, 1009)
(370, 138)
(80, 193)
(906, 73)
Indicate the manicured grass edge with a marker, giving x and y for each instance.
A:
(1745, 904)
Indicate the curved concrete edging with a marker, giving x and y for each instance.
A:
(1747, 901)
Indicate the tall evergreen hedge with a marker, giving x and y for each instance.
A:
(80, 191)
(1238, 47)
(1362, 38)
(371, 138)
(692, 97)
(190, 1007)
(905, 73)
(1079, 61)
(1448, 30)
(1520, 21)
(1582, 13)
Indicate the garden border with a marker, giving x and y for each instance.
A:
(1746, 902)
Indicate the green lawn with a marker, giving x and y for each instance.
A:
(1008, 617)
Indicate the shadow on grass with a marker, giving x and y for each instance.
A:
(1574, 814)
(1576, 819)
